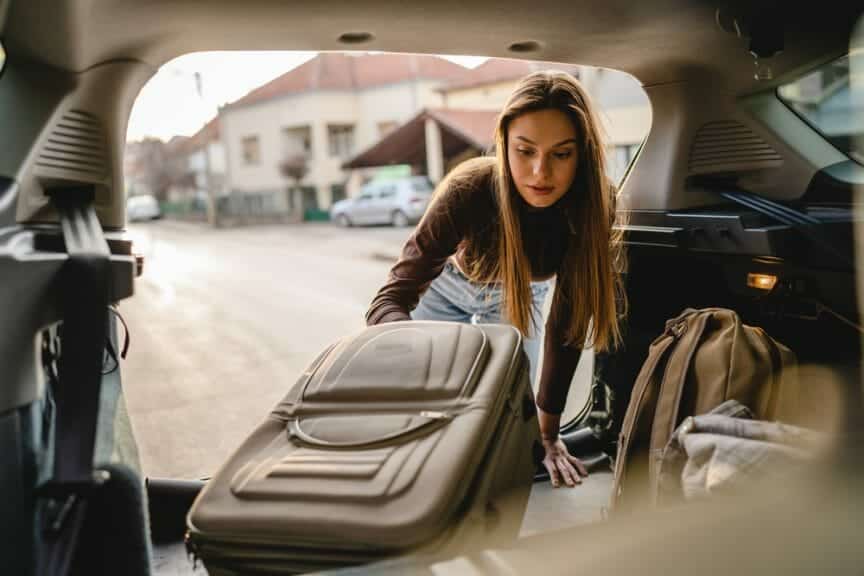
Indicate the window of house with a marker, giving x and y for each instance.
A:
(310, 199)
(251, 147)
(340, 140)
(337, 192)
(297, 141)
(385, 128)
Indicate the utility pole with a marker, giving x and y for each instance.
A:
(208, 177)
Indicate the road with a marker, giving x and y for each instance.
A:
(223, 321)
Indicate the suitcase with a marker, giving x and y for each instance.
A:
(409, 437)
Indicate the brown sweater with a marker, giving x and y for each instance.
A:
(461, 223)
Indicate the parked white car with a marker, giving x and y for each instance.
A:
(143, 207)
(398, 202)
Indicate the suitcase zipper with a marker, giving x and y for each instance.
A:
(436, 420)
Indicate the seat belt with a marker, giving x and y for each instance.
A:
(85, 288)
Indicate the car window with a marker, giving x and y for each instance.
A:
(421, 185)
(388, 191)
(823, 98)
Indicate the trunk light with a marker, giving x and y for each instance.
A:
(761, 281)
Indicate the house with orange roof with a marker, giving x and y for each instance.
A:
(206, 163)
(324, 112)
(464, 125)
(438, 138)
(154, 167)
(489, 85)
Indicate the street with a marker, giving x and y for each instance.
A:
(223, 322)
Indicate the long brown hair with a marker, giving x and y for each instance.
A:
(589, 297)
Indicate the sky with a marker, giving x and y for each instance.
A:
(170, 103)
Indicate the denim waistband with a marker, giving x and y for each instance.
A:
(451, 267)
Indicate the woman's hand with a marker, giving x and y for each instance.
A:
(561, 465)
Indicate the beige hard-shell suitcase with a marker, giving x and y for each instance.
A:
(409, 437)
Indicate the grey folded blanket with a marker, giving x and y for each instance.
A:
(723, 449)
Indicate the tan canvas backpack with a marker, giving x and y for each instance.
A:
(703, 358)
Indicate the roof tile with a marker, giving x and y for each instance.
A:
(339, 71)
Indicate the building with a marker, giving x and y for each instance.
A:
(488, 86)
(321, 113)
(180, 172)
(625, 112)
(206, 161)
(465, 124)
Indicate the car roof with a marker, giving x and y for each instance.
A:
(658, 41)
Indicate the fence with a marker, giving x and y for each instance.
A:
(239, 208)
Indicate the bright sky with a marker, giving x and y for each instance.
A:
(169, 104)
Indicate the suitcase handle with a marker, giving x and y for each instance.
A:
(435, 421)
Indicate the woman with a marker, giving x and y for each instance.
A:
(498, 229)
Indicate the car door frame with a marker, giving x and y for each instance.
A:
(362, 211)
(385, 202)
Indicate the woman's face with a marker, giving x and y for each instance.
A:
(541, 151)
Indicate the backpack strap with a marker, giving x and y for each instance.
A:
(690, 330)
(635, 409)
(85, 291)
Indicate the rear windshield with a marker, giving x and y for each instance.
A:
(824, 99)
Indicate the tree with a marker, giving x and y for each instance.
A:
(294, 168)
(157, 166)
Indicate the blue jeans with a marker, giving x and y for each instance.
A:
(453, 297)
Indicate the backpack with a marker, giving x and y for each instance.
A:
(703, 358)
